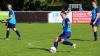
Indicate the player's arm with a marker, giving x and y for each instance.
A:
(5, 20)
(11, 13)
(69, 24)
(98, 14)
(8, 18)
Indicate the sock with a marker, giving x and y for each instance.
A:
(56, 44)
(18, 34)
(95, 36)
(7, 34)
(67, 43)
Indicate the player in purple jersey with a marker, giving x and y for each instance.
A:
(95, 21)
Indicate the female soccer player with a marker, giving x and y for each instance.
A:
(11, 22)
(95, 21)
(63, 38)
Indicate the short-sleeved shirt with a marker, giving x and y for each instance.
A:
(12, 20)
(66, 27)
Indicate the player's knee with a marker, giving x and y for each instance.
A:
(62, 40)
(14, 29)
(56, 40)
(95, 29)
(7, 29)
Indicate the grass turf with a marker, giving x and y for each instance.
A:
(37, 38)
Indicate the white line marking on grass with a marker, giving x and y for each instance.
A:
(34, 44)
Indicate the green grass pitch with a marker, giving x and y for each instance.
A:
(38, 37)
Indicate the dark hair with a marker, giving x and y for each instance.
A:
(94, 1)
(63, 11)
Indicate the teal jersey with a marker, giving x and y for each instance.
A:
(66, 27)
(12, 20)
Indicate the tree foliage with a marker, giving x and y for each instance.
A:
(37, 5)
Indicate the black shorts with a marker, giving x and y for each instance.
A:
(10, 25)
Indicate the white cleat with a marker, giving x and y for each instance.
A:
(74, 45)
(7, 39)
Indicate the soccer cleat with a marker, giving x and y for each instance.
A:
(74, 45)
(19, 38)
(95, 40)
(7, 39)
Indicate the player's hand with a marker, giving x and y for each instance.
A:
(93, 23)
(90, 23)
(5, 19)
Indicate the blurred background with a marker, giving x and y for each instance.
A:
(44, 5)
(48, 11)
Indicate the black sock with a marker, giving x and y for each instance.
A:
(18, 34)
(56, 44)
(67, 43)
(95, 36)
(7, 34)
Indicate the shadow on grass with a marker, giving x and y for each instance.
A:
(45, 49)
(79, 40)
(64, 51)
(2, 38)
(37, 48)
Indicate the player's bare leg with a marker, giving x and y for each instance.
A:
(17, 32)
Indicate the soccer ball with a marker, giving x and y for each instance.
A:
(53, 50)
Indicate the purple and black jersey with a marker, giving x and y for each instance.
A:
(94, 15)
(98, 20)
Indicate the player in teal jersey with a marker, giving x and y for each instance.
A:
(11, 23)
(63, 38)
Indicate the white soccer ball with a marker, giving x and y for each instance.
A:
(53, 50)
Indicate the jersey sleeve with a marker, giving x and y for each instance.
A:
(10, 13)
(67, 19)
(98, 10)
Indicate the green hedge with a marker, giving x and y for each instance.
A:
(45, 5)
